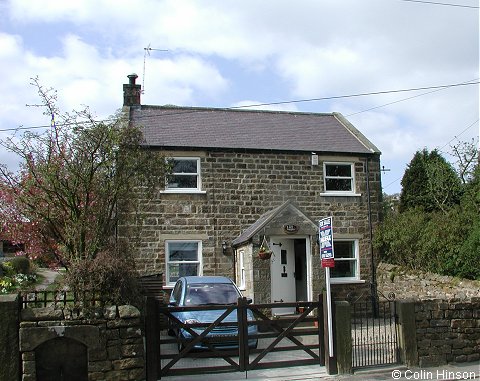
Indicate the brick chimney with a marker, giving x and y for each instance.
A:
(131, 92)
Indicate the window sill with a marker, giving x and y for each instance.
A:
(341, 194)
(183, 191)
(346, 281)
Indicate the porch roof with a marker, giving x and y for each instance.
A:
(263, 221)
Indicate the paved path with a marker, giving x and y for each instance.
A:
(49, 277)
(461, 371)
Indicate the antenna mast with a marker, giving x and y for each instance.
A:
(147, 50)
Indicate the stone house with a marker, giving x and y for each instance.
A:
(243, 177)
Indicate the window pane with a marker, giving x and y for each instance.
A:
(344, 249)
(177, 270)
(182, 181)
(184, 166)
(217, 293)
(338, 170)
(343, 269)
(338, 184)
(183, 251)
(177, 292)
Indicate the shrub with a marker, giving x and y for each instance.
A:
(440, 248)
(444, 243)
(21, 265)
(7, 269)
(397, 238)
(470, 255)
(110, 274)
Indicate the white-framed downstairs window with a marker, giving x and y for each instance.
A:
(241, 270)
(339, 178)
(347, 265)
(184, 175)
(183, 258)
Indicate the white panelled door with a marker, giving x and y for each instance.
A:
(282, 266)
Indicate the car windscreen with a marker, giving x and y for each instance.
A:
(211, 294)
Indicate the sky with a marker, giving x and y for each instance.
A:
(220, 53)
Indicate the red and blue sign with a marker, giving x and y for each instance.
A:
(325, 232)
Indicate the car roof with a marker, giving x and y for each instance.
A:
(206, 279)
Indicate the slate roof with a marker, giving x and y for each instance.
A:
(210, 128)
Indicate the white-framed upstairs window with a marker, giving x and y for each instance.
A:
(339, 178)
(183, 258)
(347, 264)
(184, 175)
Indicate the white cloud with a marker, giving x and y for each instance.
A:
(309, 49)
(178, 80)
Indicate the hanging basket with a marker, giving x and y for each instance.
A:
(264, 252)
(264, 255)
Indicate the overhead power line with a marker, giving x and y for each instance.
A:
(473, 82)
(439, 87)
(455, 137)
(400, 100)
(444, 4)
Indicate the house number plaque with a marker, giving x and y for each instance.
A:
(290, 228)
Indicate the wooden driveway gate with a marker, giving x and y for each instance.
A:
(282, 342)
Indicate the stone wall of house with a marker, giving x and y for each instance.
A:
(114, 341)
(241, 186)
(447, 331)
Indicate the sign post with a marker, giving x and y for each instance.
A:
(325, 231)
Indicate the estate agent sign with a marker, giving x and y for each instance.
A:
(325, 228)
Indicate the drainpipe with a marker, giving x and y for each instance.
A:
(373, 284)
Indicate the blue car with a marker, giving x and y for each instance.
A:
(208, 291)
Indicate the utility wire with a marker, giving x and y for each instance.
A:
(358, 95)
(439, 87)
(445, 4)
(401, 100)
(440, 150)
(456, 136)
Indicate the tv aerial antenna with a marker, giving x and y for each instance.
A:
(147, 51)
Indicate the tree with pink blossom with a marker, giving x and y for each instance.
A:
(77, 180)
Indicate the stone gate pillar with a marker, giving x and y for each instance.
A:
(9, 350)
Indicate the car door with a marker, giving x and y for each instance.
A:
(176, 294)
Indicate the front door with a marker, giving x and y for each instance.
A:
(283, 274)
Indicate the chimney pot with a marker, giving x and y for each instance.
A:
(132, 78)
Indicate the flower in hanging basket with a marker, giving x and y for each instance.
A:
(264, 252)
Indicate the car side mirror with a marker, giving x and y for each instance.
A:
(249, 300)
(172, 303)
